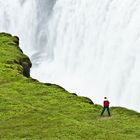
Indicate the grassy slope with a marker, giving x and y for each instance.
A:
(32, 110)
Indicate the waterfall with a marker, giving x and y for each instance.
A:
(91, 47)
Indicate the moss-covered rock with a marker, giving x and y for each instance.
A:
(12, 43)
(37, 111)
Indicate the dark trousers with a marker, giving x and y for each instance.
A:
(104, 111)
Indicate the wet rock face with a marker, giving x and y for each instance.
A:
(26, 70)
(26, 65)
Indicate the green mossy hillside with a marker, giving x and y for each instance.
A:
(30, 110)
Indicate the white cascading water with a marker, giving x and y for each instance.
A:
(91, 47)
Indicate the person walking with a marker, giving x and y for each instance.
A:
(105, 106)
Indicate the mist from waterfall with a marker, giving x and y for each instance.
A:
(90, 47)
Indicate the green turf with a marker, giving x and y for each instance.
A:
(30, 110)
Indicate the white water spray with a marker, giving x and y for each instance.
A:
(91, 47)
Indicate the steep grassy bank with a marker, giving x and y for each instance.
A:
(30, 110)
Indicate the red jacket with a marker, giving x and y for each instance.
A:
(106, 103)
